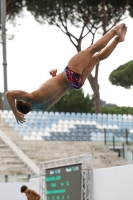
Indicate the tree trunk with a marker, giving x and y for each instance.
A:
(95, 87)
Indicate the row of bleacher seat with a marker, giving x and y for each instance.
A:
(88, 125)
(69, 120)
(93, 137)
(41, 114)
(71, 126)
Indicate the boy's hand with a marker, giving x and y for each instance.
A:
(20, 117)
(53, 72)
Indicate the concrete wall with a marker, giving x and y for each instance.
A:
(34, 184)
(115, 183)
(11, 191)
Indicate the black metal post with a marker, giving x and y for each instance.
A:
(29, 176)
(6, 178)
(132, 156)
(123, 148)
(105, 138)
(114, 142)
(126, 136)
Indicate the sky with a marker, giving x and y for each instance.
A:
(36, 49)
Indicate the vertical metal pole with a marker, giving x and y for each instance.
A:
(3, 19)
(105, 139)
(126, 136)
(6, 178)
(114, 143)
(123, 148)
(132, 156)
(29, 176)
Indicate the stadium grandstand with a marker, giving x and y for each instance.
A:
(53, 135)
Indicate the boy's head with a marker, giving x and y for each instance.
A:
(23, 188)
(23, 106)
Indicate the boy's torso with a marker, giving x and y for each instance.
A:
(50, 92)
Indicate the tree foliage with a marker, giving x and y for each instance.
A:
(118, 110)
(123, 75)
(130, 9)
(88, 15)
(13, 8)
(74, 101)
(76, 11)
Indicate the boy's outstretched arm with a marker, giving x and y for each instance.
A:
(11, 97)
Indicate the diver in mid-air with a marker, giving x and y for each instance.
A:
(73, 76)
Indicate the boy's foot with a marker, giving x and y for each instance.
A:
(123, 33)
(119, 28)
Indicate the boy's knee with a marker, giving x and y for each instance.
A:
(92, 49)
(96, 58)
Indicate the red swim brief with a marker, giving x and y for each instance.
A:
(74, 78)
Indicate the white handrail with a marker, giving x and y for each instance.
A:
(19, 153)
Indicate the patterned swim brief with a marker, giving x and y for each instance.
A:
(74, 78)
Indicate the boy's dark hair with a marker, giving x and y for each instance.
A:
(23, 188)
(22, 107)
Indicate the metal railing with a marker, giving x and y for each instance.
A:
(7, 178)
(117, 141)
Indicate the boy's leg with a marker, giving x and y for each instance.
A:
(104, 53)
(79, 62)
